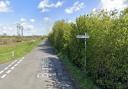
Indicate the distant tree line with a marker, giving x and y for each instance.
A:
(107, 47)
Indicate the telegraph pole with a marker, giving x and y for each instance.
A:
(20, 29)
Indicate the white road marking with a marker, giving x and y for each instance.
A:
(42, 75)
(5, 68)
(4, 76)
(8, 71)
(12, 67)
(38, 75)
(13, 64)
(9, 65)
(1, 72)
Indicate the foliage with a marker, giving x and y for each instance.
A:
(107, 47)
(83, 82)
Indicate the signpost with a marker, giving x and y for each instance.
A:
(85, 37)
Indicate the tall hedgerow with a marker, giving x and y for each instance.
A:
(107, 47)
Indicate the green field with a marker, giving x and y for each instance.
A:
(19, 49)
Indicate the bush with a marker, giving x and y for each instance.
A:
(107, 47)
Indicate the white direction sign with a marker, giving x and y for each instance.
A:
(82, 36)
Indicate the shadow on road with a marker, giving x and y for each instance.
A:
(55, 68)
(57, 73)
(46, 47)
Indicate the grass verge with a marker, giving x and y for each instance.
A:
(84, 81)
(19, 50)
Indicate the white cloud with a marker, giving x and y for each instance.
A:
(23, 19)
(32, 20)
(114, 4)
(94, 9)
(44, 5)
(47, 24)
(58, 4)
(8, 29)
(76, 7)
(27, 26)
(46, 19)
(4, 6)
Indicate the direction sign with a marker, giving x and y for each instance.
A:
(82, 36)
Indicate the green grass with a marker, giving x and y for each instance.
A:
(20, 50)
(84, 81)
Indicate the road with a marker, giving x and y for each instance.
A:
(40, 69)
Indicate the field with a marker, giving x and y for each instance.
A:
(14, 47)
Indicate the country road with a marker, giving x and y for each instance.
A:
(39, 69)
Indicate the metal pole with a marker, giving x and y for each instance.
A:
(85, 36)
(85, 54)
(22, 30)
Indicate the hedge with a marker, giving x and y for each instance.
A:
(107, 47)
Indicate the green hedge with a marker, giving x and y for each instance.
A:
(107, 47)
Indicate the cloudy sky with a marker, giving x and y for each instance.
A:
(38, 16)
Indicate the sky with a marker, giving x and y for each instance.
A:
(38, 16)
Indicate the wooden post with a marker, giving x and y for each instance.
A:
(13, 54)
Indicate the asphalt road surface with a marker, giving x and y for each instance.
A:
(40, 69)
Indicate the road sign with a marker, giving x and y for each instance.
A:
(82, 36)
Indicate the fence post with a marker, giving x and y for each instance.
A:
(13, 54)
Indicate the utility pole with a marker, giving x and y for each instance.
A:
(85, 37)
(20, 29)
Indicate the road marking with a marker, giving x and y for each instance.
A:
(42, 75)
(1, 72)
(38, 75)
(4, 76)
(6, 68)
(13, 64)
(8, 71)
(12, 67)
(9, 65)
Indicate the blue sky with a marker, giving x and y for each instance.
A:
(38, 16)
